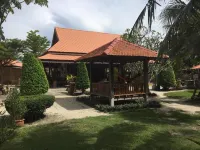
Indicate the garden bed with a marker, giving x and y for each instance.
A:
(102, 104)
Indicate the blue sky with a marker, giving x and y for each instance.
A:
(112, 16)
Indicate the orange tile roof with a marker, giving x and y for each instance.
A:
(59, 57)
(119, 47)
(196, 67)
(78, 41)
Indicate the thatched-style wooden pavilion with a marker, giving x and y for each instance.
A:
(117, 53)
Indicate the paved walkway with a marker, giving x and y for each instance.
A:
(176, 103)
(66, 107)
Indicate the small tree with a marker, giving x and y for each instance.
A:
(82, 79)
(15, 107)
(36, 43)
(33, 80)
(166, 78)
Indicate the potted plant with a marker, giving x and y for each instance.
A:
(71, 84)
(15, 107)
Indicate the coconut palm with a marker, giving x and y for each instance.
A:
(182, 21)
(183, 33)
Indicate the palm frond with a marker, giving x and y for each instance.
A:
(149, 8)
(171, 11)
(184, 34)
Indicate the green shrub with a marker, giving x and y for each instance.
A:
(82, 79)
(166, 78)
(36, 105)
(14, 105)
(33, 80)
(129, 106)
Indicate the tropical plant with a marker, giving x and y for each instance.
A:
(149, 11)
(15, 107)
(35, 43)
(8, 7)
(82, 78)
(33, 80)
(70, 77)
(182, 21)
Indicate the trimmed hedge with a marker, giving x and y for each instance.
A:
(82, 78)
(130, 106)
(36, 105)
(33, 80)
(101, 104)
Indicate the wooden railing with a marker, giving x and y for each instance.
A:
(103, 89)
(128, 89)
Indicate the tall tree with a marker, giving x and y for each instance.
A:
(148, 10)
(148, 39)
(36, 44)
(8, 6)
(183, 25)
(144, 37)
(10, 50)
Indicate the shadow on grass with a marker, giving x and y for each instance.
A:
(50, 137)
(151, 116)
(166, 141)
(120, 136)
(139, 129)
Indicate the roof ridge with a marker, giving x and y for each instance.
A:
(107, 45)
(86, 31)
(112, 44)
(130, 43)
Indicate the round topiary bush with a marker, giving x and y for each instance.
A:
(82, 78)
(33, 80)
(166, 78)
(36, 105)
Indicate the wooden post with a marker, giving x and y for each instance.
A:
(111, 84)
(49, 70)
(91, 80)
(146, 81)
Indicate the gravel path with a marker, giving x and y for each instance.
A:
(176, 103)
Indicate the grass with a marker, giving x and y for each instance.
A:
(139, 129)
(180, 94)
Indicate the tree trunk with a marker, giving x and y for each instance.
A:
(83, 91)
(1, 75)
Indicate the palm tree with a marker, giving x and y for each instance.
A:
(149, 9)
(182, 21)
(183, 33)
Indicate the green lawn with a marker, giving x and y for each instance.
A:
(140, 129)
(180, 94)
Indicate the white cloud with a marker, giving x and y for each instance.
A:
(112, 16)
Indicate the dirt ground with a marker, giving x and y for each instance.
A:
(176, 103)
